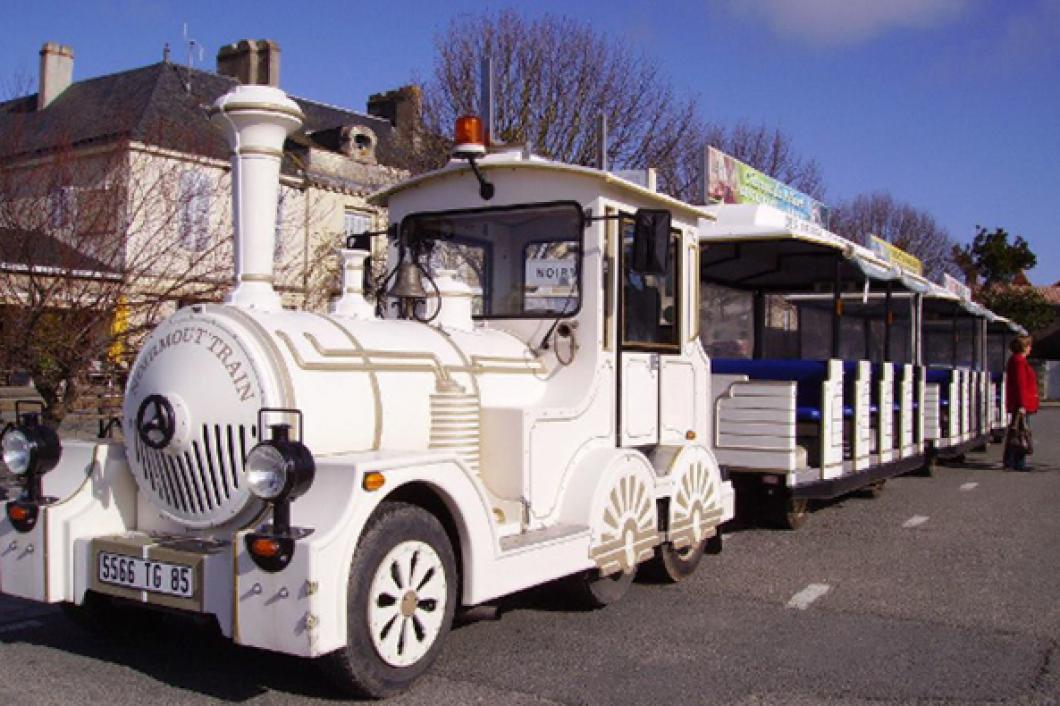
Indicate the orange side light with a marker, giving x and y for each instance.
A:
(373, 480)
(17, 513)
(265, 548)
(469, 130)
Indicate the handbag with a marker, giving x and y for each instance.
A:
(1018, 435)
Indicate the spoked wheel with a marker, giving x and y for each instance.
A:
(790, 513)
(401, 599)
(670, 565)
(593, 591)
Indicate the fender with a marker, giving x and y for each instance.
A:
(274, 612)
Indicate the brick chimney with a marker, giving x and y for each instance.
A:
(56, 72)
(251, 61)
(403, 107)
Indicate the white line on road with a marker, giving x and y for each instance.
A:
(808, 595)
(915, 521)
(968, 486)
(22, 625)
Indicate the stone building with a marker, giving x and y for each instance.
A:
(132, 155)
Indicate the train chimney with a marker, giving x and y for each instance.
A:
(353, 303)
(256, 120)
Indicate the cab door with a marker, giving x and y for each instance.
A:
(649, 313)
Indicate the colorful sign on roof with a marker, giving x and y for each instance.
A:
(731, 181)
(895, 255)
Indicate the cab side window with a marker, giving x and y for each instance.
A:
(650, 302)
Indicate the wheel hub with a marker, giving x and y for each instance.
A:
(408, 604)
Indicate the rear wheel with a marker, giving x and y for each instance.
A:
(593, 591)
(670, 565)
(400, 602)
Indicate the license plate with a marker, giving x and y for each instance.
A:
(146, 574)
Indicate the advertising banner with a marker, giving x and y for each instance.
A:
(731, 181)
(894, 254)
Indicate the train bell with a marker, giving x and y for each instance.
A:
(409, 283)
(408, 290)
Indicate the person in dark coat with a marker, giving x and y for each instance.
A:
(1021, 395)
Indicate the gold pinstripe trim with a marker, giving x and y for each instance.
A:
(260, 152)
(377, 436)
(236, 106)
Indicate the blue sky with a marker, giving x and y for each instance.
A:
(951, 105)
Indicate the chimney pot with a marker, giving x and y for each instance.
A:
(251, 62)
(56, 72)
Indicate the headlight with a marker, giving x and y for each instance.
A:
(279, 469)
(17, 451)
(30, 447)
(266, 471)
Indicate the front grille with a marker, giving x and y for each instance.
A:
(201, 485)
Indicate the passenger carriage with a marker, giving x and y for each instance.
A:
(953, 331)
(816, 386)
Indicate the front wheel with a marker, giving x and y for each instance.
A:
(400, 602)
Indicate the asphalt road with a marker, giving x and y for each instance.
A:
(944, 589)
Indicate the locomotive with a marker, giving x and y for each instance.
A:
(336, 485)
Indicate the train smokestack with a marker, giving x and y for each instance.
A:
(256, 120)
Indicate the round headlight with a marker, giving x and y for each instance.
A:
(18, 451)
(266, 471)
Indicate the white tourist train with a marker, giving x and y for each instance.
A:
(567, 369)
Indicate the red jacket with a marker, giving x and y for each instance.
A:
(1021, 384)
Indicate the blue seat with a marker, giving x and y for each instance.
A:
(806, 374)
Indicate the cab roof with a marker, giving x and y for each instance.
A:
(522, 159)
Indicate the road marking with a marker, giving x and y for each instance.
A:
(968, 486)
(808, 595)
(915, 521)
(21, 626)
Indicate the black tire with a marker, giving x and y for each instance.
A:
(359, 669)
(590, 590)
(790, 513)
(670, 565)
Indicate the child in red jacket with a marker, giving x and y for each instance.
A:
(1021, 395)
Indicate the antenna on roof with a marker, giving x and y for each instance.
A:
(193, 44)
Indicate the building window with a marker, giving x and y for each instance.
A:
(63, 207)
(195, 210)
(357, 222)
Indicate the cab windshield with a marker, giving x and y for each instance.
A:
(520, 261)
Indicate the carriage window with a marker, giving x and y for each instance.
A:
(650, 305)
(726, 321)
(521, 262)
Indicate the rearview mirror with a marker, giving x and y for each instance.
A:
(651, 241)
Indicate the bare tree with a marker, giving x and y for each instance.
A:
(903, 225)
(96, 244)
(555, 77)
